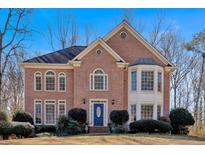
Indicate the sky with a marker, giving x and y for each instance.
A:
(186, 21)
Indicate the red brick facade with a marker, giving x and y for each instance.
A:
(78, 93)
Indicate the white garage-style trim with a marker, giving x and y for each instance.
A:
(91, 110)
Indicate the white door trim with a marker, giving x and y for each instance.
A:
(105, 114)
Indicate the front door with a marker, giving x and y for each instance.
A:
(98, 114)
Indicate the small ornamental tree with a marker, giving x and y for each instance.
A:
(3, 116)
(78, 115)
(22, 116)
(119, 117)
(180, 118)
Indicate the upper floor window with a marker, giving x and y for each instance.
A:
(98, 80)
(159, 81)
(61, 82)
(134, 81)
(38, 81)
(147, 80)
(50, 81)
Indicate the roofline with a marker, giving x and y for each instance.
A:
(46, 65)
(93, 45)
(139, 37)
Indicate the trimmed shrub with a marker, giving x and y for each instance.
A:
(45, 129)
(22, 116)
(3, 116)
(78, 115)
(119, 117)
(119, 130)
(5, 129)
(150, 126)
(180, 118)
(73, 128)
(22, 129)
(164, 119)
(62, 125)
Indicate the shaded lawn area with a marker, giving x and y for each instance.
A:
(109, 139)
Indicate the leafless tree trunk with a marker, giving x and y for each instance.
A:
(12, 35)
(88, 33)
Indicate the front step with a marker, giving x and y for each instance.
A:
(99, 130)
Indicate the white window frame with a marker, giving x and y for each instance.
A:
(153, 111)
(161, 81)
(45, 103)
(59, 103)
(59, 76)
(45, 81)
(35, 75)
(92, 83)
(147, 70)
(131, 80)
(39, 102)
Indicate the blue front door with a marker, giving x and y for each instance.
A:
(98, 114)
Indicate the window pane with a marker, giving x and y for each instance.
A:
(38, 82)
(99, 82)
(147, 80)
(62, 83)
(133, 112)
(146, 112)
(158, 112)
(50, 83)
(134, 81)
(61, 108)
(159, 83)
(50, 112)
(38, 112)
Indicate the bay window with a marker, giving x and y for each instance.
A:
(147, 80)
(134, 81)
(146, 112)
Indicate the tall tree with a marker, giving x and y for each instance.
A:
(197, 45)
(12, 36)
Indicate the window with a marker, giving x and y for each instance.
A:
(147, 80)
(133, 112)
(62, 82)
(61, 108)
(50, 81)
(38, 81)
(123, 35)
(134, 81)
(50, 112)
(158, 112)
(98, 80)
(159, 82)
(146, 112)
(38, 112)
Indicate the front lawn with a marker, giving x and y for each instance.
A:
(109, 139)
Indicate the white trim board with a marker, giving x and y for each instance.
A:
(99, 41)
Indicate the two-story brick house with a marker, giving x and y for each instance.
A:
(121, 71)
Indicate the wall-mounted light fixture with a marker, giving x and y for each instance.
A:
(113, 101)
(84, 100)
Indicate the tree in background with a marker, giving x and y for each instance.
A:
(197, 45)
(13, 32)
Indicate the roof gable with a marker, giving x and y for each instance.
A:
(104, 45)
(140, 38)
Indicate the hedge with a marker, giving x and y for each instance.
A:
(45, 129)
(150, 126)
(22, 116)
(180, 118)
(78, 115)
(119, 117)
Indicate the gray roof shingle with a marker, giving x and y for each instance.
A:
(60, 56)
(144, 61)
